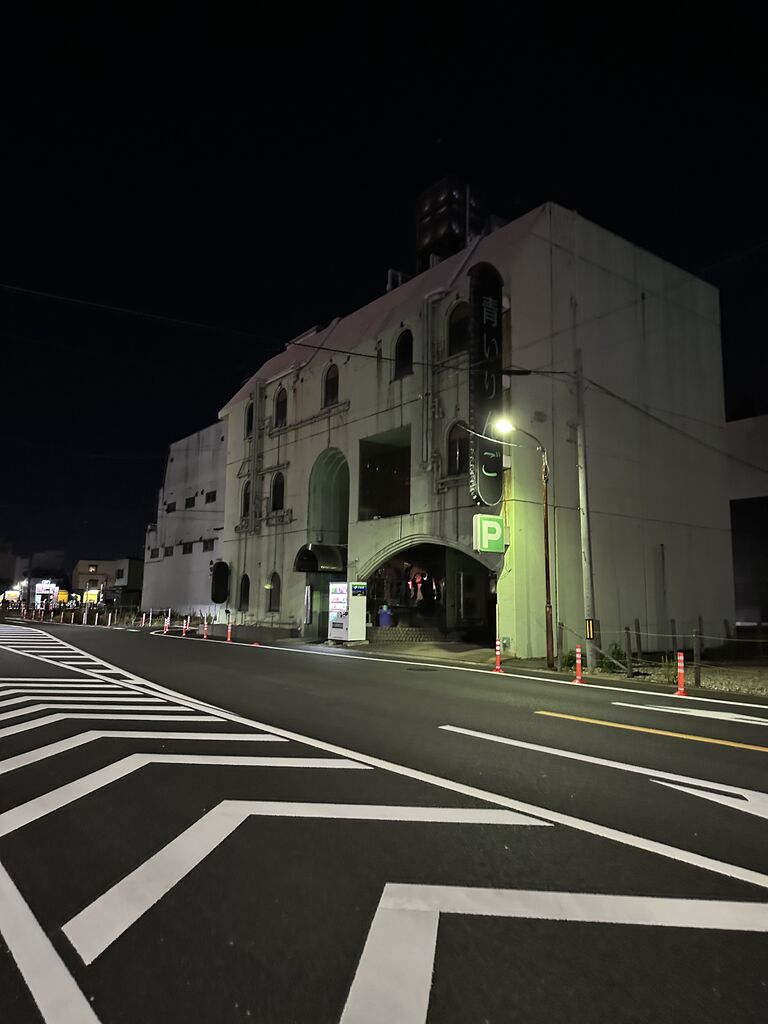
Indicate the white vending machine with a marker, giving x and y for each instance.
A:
(346, 611)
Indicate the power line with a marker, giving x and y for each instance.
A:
(125, 311)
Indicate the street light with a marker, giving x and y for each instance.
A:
(504, 426)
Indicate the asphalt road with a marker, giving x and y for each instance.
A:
(192, 830)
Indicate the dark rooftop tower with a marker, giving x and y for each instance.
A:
(447, 217)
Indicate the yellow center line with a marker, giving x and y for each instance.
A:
(655, 732)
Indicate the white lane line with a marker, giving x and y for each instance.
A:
(54, 800)
(98, 925)
(53, 988)
(36, 723)
(325, 653)
(748, 800)
(394, 975)
(723, 716)
(61, 746)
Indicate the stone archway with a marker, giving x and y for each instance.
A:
(429, 584)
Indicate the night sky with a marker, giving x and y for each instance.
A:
(256, 177)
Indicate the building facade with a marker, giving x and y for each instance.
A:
(114, 580)
(185, 540)
(748, 446)
(349, 457)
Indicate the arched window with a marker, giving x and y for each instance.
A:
(274, 593)
(458, 450)
(245, 593)
(404, 355)
(249, 420)
(281, 408)
(278, 492)
(458, 329)
(331, 386)
(246, 504)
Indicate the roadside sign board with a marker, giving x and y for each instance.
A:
(488, 533)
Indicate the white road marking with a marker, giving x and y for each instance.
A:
(61, 746)
(55, 799)
(98, 925)
(53, 988)
(556, 817)
(748, 800)
(120, 695)
(36, 723)
(64, 689)
(724, 716)
(394, 975)
(34, 708)
(37, 679)
(325, 653)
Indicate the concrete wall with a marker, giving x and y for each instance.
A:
(658, 482)
(196, 466)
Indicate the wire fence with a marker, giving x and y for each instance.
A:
(737, 656)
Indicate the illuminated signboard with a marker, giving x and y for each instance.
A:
(485, 385)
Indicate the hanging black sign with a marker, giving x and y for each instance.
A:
(485, 385)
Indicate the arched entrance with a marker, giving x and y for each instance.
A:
(323, 558)
(430, 585)
(328, 507)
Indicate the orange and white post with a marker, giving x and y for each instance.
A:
(497, 667)
(229, 631)
(578, 678)
(205, 627)
(680, 675)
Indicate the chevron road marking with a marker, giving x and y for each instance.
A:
(123, 695)
(77, 707)
(98, 925)
(36, 723)
(71, 742)
(53, 988)
(394, 976)
(54, 800)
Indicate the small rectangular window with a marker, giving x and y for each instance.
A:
(209, 497)
(119, 574)
(154, 552)
(186, 549)
(171, 506)
(168, 550)
(208, 544)
(189, 502)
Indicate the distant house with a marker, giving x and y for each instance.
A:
(108, 580)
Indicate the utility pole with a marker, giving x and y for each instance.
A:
(586, 535)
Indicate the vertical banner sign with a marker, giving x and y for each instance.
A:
(485, 386)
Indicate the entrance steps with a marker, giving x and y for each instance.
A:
(382, 636)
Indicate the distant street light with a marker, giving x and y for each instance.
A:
(504, 426)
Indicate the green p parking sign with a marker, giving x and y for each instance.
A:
(488, 533)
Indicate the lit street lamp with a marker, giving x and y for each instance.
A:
(504, 426)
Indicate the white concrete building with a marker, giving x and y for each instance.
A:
(347, 455)
(185, 541)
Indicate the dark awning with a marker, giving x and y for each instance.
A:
(321, 558)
